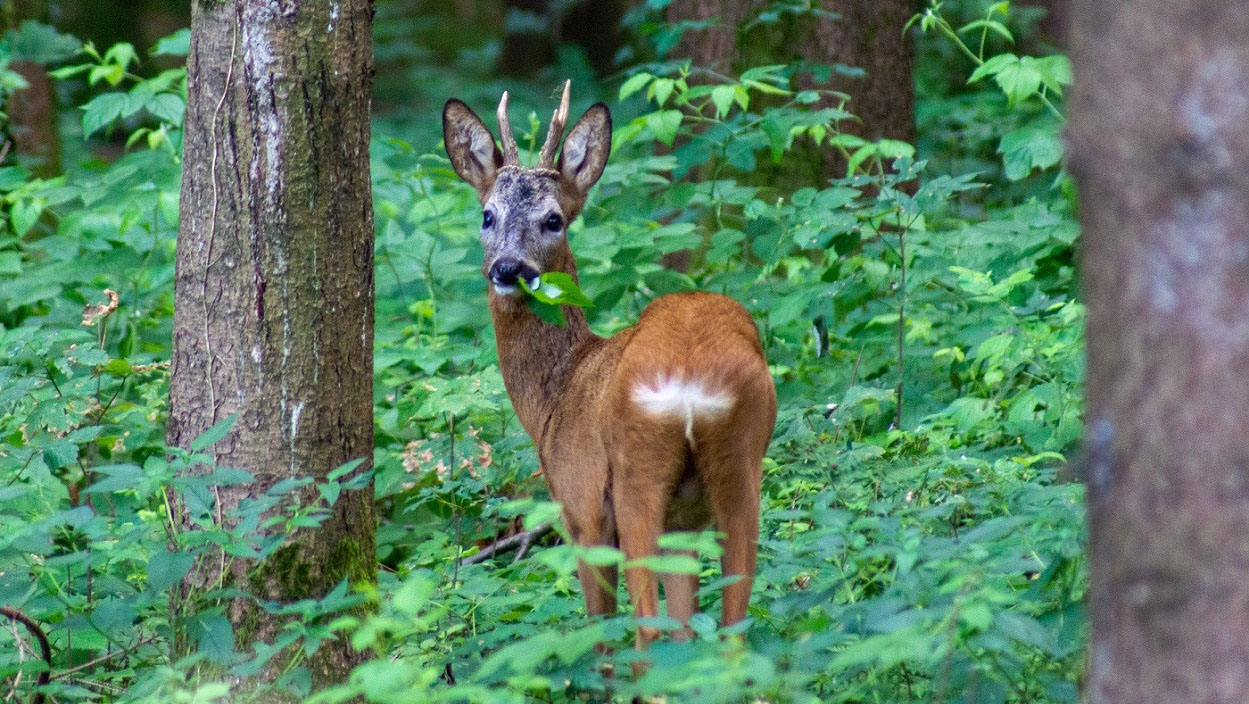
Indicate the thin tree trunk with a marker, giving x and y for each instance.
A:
(274, 283)
(1159, 146)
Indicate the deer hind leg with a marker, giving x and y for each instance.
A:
(641, 479)
(681, 595)
(732, 472)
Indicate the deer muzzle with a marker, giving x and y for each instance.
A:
(507, 271)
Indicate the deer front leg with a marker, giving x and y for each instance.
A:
(598, 584)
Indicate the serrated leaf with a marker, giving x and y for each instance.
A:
(635, 83)
(166, 569)
(722, 98)
(664, 125)
(102, 110)
(59, 454)
(1029, 148)
(214, 636)
(661, 89)
(167, 107)
(214, 434)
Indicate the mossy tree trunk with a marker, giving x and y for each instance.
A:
(274, 281)
(1158, 145)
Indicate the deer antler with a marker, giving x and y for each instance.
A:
(510, 154)
(546, 158)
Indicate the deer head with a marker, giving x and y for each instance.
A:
(526, 210)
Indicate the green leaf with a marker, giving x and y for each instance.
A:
(214, 434)
(1029, 148)
(176, 44)
(664, 125)
(547, 312)
(722, 97)
(40, 43)
(102, 110)
(675, 564)
(635, 83)
(60, 454)
(118, 367)
(661, 89)
(558, 287)
(214, 636)
(166, 569)
(121, 54)
(25, 214)
(990, 25)
(167, 107)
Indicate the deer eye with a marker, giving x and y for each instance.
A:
(553, 222)
(487, 220)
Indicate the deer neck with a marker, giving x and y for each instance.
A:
(537, 358)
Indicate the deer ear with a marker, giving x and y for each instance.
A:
(474, 155)
(586, 149)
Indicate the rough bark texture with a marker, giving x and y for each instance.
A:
(1158, 145)
(274, 284)
(868, 36)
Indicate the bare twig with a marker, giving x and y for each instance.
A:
(103, 658)
(523, 540)
(45, 650)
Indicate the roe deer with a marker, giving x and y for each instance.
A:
(662, 426)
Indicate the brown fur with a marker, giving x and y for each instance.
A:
(623, 476)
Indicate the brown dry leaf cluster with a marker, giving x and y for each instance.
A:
(93, 314)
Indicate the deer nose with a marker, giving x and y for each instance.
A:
(507, 271)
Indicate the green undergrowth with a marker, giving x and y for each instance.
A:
(921, 540)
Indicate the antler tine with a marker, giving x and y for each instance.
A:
(510, 153)
(546, 158)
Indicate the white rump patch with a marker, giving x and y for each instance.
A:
(683, 399)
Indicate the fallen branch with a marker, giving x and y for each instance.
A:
(45, 650)
(522, 540)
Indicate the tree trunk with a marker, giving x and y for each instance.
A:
(32, 110)
(274, 281)
(1158, 146)
(594, 25)
(529, 41)
(713, 47)
(867, 36)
